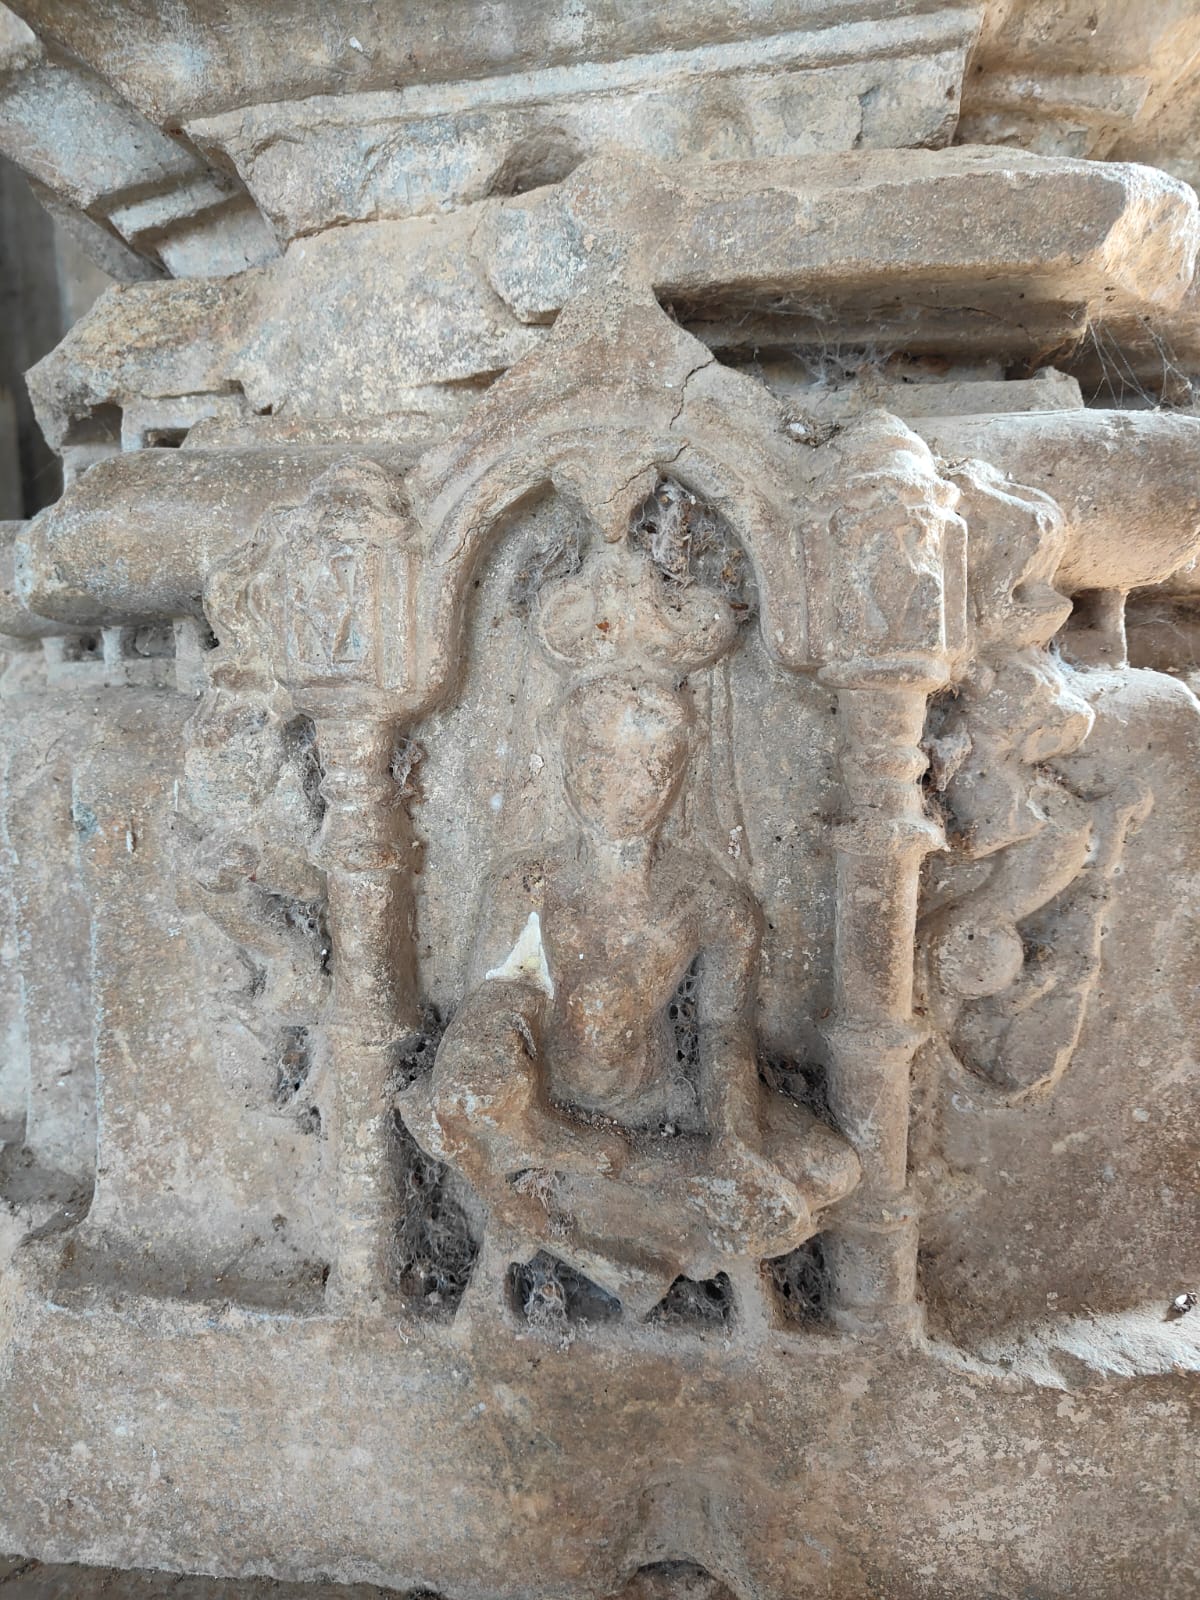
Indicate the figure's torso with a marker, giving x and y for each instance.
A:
(617, 956)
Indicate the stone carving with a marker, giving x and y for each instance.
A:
(630, 1019)
(1013, 920)
(320, 610)
(889, 629)
(561, 1088)
(250, 808)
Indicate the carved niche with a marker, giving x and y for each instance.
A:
(556, 815)
(568, 1088)
(618, 1101)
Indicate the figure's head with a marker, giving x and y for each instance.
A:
(625, 750)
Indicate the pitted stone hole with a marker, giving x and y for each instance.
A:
(154, 641)
(292, 1064)
(164, 438)
(414, 1054)
(806, 1082)
(102, 425)
(691, 543)
(436, 1244)
(946, 745)
(685, 1025)
(674, 1580)
(300, 749)
(696, 1303)
(552, 1295)
(548, 156)
(406, 758)
(552, 547)
(1162, 635)
(83, 647)
(306, 918)
(801, 1281)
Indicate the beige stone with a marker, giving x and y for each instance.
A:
(597, 806)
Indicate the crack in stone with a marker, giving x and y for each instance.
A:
(683, 388)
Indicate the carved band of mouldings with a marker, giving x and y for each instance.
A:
(1010, 947)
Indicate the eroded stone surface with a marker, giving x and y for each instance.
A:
(598, 891)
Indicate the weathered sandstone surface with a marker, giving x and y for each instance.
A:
(598, 804)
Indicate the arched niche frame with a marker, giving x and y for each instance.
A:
(859, 560)
(617, 398)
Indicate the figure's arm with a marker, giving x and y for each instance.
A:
(490, 1096)
(489, 1092)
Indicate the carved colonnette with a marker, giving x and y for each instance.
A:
(608, 788)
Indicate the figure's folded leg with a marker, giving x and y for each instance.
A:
(815, 1157)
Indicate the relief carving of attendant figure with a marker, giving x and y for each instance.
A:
(592, 1125)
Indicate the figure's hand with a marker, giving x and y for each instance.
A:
(611, 1153)
(736, 1158)
(490, 1100)
(222, 865)
(484, 1089)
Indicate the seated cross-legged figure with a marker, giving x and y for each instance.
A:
(558, 1090)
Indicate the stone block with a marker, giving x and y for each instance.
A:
(597, 800)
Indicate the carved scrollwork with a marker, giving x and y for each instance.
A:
(1014, 917)
(249, 817)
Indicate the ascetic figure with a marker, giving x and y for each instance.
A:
(558, 1088)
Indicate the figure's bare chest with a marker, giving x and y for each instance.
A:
(615, 958)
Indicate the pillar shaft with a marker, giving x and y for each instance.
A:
(364, 846)
(880, 843)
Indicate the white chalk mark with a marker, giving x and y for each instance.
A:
(527, 959)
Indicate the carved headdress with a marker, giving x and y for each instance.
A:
(642, 602)
(619, 611)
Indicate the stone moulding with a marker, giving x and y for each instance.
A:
(352, 158)
(825, 248)
(462, 59)
(456, 784)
